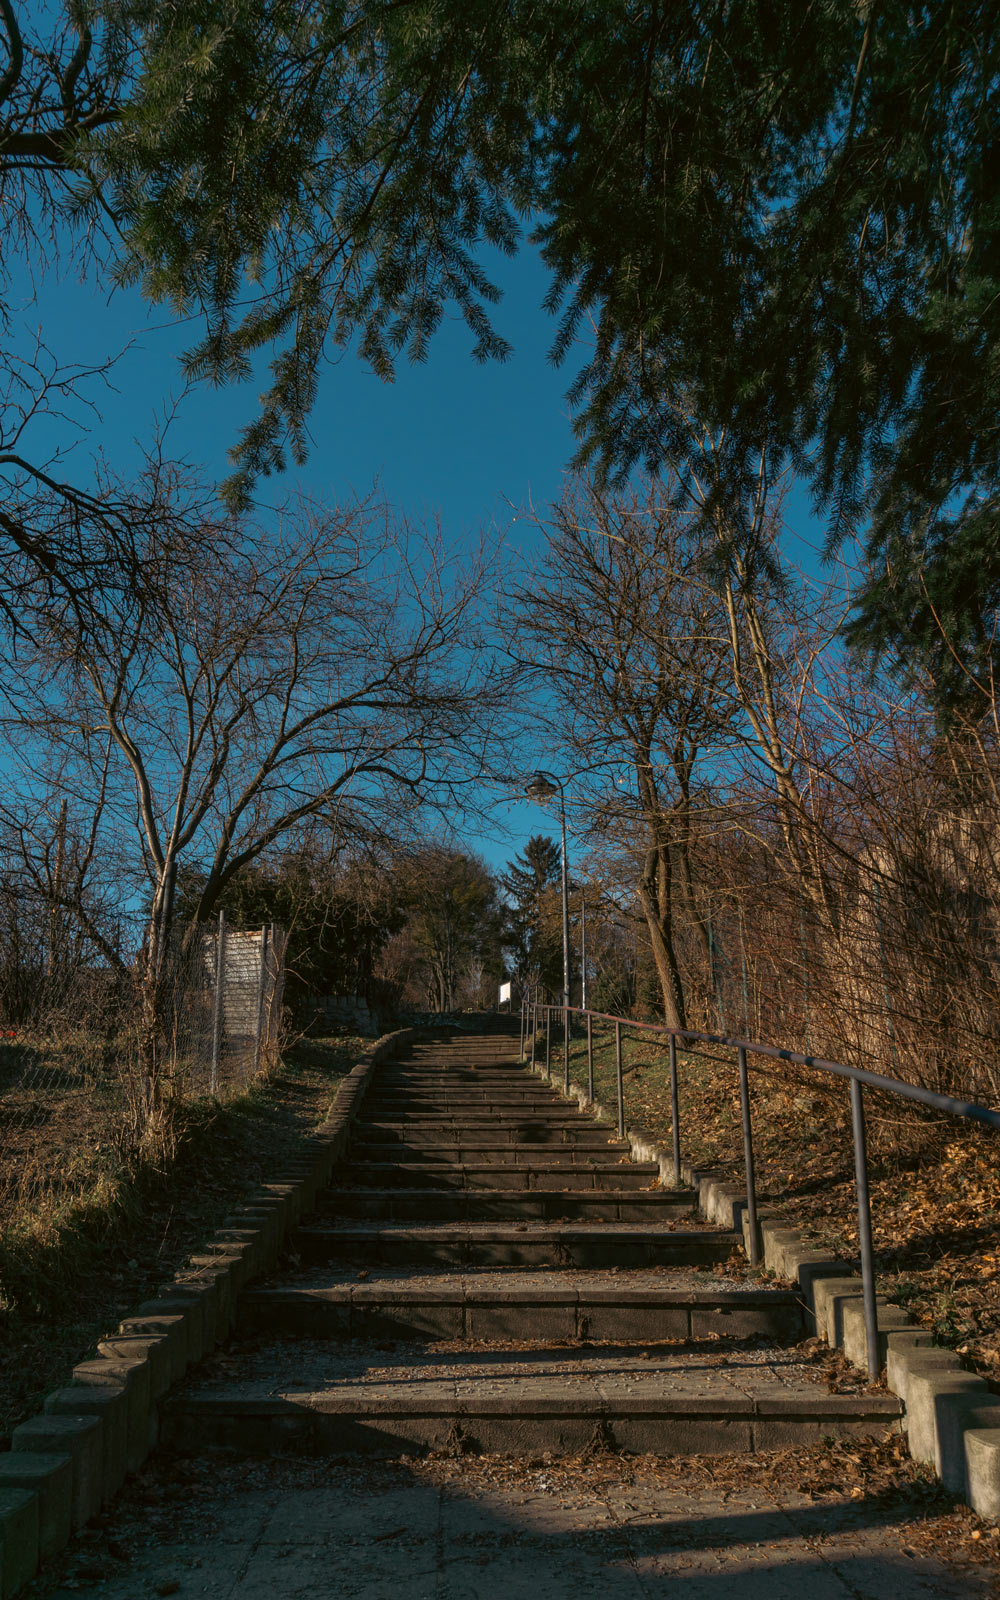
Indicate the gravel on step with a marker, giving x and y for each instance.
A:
(683, 1280)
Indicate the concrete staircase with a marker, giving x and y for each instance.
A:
(491, 1272)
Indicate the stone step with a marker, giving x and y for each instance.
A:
(300, 1396)
(460, 1080)
(433, 1049)
(566, 1175)
(501, 1130)
(517, 1131)
(571, 1306)
(438, 1062)
(476, 1205)
(480, 1152)
(442, 1062)
(478, 1111)
(440, 1057)
(500, 1039)
(377, 1104)
(524, 1244)
(508, 1080)
(482, 1111)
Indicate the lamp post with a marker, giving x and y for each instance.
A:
(541, 787)
(583, 949)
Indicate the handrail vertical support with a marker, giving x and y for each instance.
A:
(621, 1080)
(566, 1048)
(548, 1041)
(534, 1029)
(865, 1230)
(590, 1057)
(674, 1112)
(748, 1158)
(520, 1049)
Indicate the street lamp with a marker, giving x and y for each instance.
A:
(541, 787)
(583, 948)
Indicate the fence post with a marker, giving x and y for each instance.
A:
(590, 1056)
(675, 1119)
(270, 1013)
(548, 1042)
(621, 1081)
(261, 993)
(220, 984)
(865, 1230)
(566, 1049)
(748, 1158)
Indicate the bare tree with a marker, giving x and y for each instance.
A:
(630, 641)
(239, 680)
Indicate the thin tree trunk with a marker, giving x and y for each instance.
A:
(655, 896)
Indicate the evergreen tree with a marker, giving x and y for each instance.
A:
(338, 918)
(452, 927)
(534, 929)
(781, 219)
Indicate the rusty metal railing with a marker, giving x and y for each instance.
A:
(858, 1077)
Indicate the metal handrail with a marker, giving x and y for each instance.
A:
(858, 1077)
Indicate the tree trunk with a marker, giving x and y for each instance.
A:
(655, 895)
(154, 989)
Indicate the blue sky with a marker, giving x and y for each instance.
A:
(469, 443)
(472, 444)
(450, 436)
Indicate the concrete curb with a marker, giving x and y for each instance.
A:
(951, 1420)
(71, 1459)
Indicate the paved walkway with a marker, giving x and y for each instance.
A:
(472, 1530)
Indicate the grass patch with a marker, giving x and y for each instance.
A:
(74, 1259)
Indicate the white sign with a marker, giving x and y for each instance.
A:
(505, 993)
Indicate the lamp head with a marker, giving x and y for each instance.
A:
(540, 787)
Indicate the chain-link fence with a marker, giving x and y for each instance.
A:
(73, 1072)
(228, 1007)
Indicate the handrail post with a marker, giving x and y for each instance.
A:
(548, 1041)
(534, 1028)
(748, 1158)
(590, 1057)
(520, 1051)
(674, 1112)
(865, 1230)
(566, 1046)
(621, 1081)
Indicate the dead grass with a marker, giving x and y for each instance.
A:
(935, 1182)
(76, 1256)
